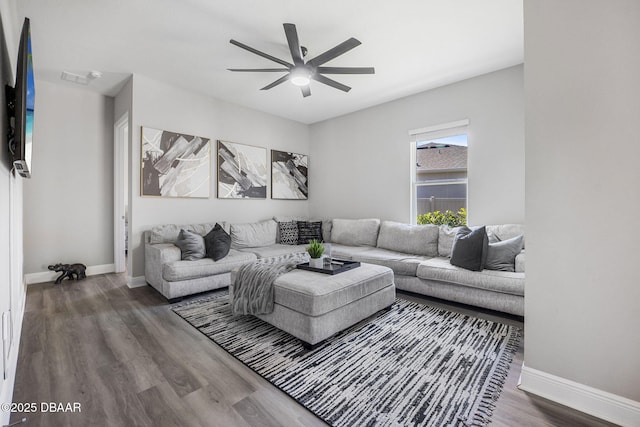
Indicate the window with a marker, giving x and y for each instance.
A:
(439, 168)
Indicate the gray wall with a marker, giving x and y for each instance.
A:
(161, 106)
(68, 201)
(360, 163)
(582, 107)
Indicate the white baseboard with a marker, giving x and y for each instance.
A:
(136, 282)
(592, 401)
(50, 276)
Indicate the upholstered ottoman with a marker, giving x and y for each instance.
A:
(314, 306)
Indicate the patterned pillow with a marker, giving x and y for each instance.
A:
(308, 231)
(288, 232)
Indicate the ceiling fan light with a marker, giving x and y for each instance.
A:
(300, 77)
(300, 80)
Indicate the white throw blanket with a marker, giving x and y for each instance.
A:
(253, 286)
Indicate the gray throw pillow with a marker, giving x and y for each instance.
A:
(217, 243)
(288, 232)
(502, 255)
(469, 248)
(191, 245)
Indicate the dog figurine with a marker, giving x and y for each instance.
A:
(69, 270)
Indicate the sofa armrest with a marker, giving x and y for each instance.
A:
(520, 260)
(155, 257)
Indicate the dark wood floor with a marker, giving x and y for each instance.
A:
(129, 360)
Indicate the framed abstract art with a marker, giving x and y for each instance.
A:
(289, 175)
(174, 164)
(242, 171)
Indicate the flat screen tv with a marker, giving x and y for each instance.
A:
(20, 103)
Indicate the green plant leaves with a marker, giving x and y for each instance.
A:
(452, 219)
(315, 249)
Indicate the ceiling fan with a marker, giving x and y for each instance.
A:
(301, 72)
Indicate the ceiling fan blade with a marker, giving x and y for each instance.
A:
(294, 43)
(327, 56)
(261, 70)
(257, 52)
(306, 91)
(330, 82)
(277, 82)
(346, 70)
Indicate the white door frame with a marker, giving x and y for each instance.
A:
(120, 168)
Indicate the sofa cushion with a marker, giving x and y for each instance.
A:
(498, 233)
(168, 233)
(191, 245)
(446, 236)
(441, 270)
(308, 231)
(288, 233)
(400, 262)
(407, 238)
(469, 248)
(253, 234)
(327, 225)
(502, 255)
(217, 243)
(355, 232)
(185, 270)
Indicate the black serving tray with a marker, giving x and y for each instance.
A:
(336, 267)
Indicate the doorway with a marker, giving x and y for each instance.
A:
(121, 193)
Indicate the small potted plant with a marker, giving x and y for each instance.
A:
(315, 250)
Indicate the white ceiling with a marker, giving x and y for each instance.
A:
(414, 45)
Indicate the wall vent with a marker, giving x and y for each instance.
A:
(74, 78)
(79, 78)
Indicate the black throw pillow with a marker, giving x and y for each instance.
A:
(217, 243)
(308, 231)
(470, 248)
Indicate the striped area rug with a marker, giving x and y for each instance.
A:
(414, 365)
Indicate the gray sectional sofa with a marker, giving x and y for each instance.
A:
(418, 256)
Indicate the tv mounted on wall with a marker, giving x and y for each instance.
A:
(20, 103)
